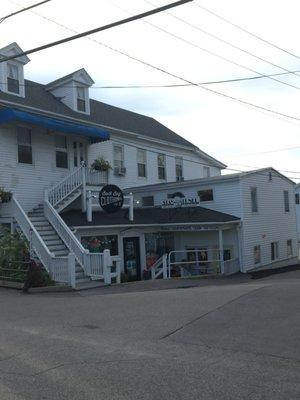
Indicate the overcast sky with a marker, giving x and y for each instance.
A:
(238, 135)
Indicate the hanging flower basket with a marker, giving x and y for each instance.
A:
(5, 197)
(100, 164)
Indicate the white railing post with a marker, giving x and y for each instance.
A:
(165, 268)
(71, 270)
(89, 211)
(83, 196)
(107, 267)
(221, 251)
(118, 271)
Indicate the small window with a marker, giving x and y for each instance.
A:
(206, 172)
(179, 169)
(289, 248)
(13, 84)
(176, 194)
(61, 152)
(226, 255)
(254, 205)
(286, 200)
(81, 100)
(206, 195)
(141, 163)
(257, 254)
(161, 164)
(118, 157)
(148, 201)
(297, 198)
(274, 251)
(24, 145)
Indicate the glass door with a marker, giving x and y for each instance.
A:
(132, 261)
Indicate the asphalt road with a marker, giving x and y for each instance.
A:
(233, 339)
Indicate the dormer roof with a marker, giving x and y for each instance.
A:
(12, 50)
(80, 76)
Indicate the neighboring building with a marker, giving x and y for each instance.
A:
(247, 217)
(297, 205)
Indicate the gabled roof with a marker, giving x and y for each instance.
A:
(105, 115)
(80, 75)
(12, 50)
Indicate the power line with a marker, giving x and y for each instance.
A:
(23, 10)
(255, 167)
(224, 41)
(100, 29)
(246, 31)
(215, 54)
(275, 114)
(268, 151)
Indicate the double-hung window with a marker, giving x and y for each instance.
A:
(161, 165)
(13, 84)
(141, 163)
(118, 159)
(286, 200)
(61, 152)
(254, 204)
(297, 198)
(81, 99)
(289, 248)
(179, 169)
(274, 251)
(257, 254)
(24, 145)
(206, 172)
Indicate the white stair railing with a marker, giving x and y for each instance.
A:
(68, 185)
(160, 267)
(59, 268)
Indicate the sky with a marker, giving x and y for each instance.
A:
(241, 136)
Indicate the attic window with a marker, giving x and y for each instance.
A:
(81, 99)
(13, 84)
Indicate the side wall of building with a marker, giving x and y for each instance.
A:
(271, 223)
(297, 206)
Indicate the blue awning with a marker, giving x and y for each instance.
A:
(96, 134)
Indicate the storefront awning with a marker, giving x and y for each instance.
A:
(93, 133)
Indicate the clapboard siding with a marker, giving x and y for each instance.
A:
(192, 163)
(226, 196)
(271, 223)
(28, 182)
(297, 190)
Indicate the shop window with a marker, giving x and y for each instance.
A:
(97, 244)
(157, 244)
(24, 145)
(61, 151)
(206, 195)
(148, 201)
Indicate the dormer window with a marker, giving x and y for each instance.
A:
(13, 84)
(81, 99)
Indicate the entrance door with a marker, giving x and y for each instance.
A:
(132, 260)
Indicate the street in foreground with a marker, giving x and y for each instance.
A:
(225, 339)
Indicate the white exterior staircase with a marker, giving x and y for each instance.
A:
(54, 243)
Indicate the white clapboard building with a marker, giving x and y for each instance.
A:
(180, 216)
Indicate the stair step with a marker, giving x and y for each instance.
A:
(53, 242)
(35, 219)
(46, 233)
(45, 228)
(41, 223)
(56, 247)
(62, 253)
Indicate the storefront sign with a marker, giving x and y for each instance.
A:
(111, 198)
(181, 202)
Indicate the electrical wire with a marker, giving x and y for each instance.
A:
(23, 10)
(246, 31)
(99, 29)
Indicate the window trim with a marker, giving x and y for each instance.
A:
(164, 167)
(181, 178)
(31, 146)
(121, 146)
(85, 111)
(15, 65)
(256, 199)
(206, 190)
(138, 163)
(62, 150)
(286, 201)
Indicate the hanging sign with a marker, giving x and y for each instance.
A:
(181, 202)
(111, 198)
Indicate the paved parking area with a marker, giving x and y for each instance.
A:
(223, 339)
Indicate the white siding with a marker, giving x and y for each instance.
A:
(67, 94)
(271, 223)
(28, 181)
(192, 164)
(226, 196)
(297, 190)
